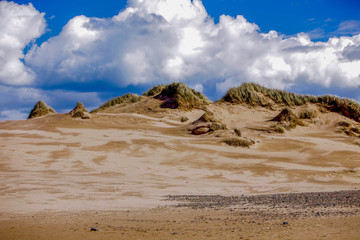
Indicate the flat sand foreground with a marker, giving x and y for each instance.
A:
(126, 174)
(330, 215)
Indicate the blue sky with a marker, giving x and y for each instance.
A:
(90, 51)
(285, 16)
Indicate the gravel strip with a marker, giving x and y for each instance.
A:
(314, 203)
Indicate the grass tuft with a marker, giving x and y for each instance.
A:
(41, 109)
(127, 98)
(238, 142)
(278, 129)
(289, 119)
(78, 111)
(184, 119)
(178, 95)
(237, 132)
(308, 114)
(355, 130)
(343, 124)
(154, 91)
(256, 95)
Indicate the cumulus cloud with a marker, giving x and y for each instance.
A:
(19, 25)
(176, 40)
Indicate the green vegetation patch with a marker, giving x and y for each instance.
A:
(178, 95)
(237, 132)
(278, 129)
(344, 124)
(184, 119)
(154, 91)
(127, 98)
(78, 111)
(41, 109)
(256, 95)
(288, 119)
(308, 114)
(348, 129)
(208, 116)
(238, 142)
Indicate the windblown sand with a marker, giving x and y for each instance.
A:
(61, 176)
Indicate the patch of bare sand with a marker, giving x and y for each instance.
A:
(176, 223)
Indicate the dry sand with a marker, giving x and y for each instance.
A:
(61, 176)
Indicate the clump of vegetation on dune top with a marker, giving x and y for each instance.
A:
(154, 90)
(127, 98)
(256, 95)
(178, 95)
(79, 111)
(41, 109)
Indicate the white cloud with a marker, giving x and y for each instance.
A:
(13, 115)
(199, 87)
(176, 40)
(349, 27)
(19, 25)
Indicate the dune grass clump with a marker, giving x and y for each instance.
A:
(218, 126)
(154, 91)
(355, 130)
(278, 129)
(79, 111)
(256, 95)
(288, 119)
(127, 98)
(346, 107)
(41, 109)
(308, 114)
(348, 129)
(178, 95)
(237, 132)
(184, 119)
(343, 124)
(208, 116)
(238, 142)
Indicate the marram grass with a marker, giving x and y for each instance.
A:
(127, 98)
(256, 95)
(41, 109)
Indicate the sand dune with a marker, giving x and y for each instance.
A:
(128, 161)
